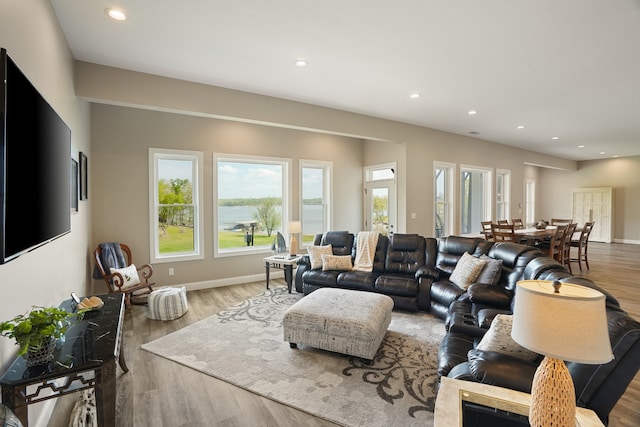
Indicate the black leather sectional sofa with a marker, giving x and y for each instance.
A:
(415, 272)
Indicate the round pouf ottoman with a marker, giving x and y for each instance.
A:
(168, 303)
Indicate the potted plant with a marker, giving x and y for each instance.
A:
(37, 331)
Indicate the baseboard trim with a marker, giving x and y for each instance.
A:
(230, 281)
(627, 241)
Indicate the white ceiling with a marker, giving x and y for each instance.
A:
(568, 68)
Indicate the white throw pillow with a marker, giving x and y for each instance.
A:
(467, 270)
(336, 262)
(315, 255)
(129, 274)
(498, 339)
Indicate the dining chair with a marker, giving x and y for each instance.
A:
(517, 223)
(503, 222)
(558, 221)
(566, 246)
(582, 243)
(486, 230)
(503, 233)
(553, 247)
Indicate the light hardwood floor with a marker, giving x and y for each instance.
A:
(157, 392)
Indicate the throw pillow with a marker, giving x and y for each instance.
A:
(315, 255)
(129, 274)
(498, 339)
(336, 262)
(490, 273)
(466, 270)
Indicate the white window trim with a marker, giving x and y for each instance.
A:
(198, 234)
(327, 186)
(286, 200)
(450, 198)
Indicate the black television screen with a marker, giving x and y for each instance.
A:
(35, 166)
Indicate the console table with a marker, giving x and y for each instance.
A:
(84, 359)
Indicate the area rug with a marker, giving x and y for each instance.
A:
(244, 346)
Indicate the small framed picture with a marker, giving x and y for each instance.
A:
(74, 186)
(84, 177)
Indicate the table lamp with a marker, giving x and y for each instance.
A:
(563, 322)
(294, 227)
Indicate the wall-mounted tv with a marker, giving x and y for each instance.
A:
(35, 166)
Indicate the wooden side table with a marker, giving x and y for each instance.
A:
(283, 262)
(448, 411)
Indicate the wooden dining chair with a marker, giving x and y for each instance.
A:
(503, 233)
(558, 221)
(517, 223)
(566, 246)
(503, 222)
(582, 244)
(486, 230)
(553, 247)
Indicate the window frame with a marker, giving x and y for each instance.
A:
(449, 196)
(487, 200)
(286, 201)
(505, 202)
(196, 157)
(327, 192)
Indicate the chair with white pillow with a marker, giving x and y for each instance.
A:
(114, 264)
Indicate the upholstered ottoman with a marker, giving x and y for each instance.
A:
(339, 320)
(167, 303)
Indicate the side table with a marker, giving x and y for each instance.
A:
(86, 359)
(283, 262)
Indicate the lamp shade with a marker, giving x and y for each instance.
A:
(294, 227)
(570, 325)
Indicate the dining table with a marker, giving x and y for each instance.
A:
(531, 236)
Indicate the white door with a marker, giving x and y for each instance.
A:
(595, 204)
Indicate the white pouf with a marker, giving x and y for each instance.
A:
(168, 303)
(339, 320)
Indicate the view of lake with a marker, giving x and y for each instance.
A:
(228, 216)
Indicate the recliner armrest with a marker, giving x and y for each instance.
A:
(490, 367)
(490, 295)
(430, 272)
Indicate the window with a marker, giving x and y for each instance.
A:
(175, 181)
(503, 193)
(443, 198)
(530, 201)
(315, 189)
(475, 201)
(251, 203)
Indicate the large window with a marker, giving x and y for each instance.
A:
(175, 181)
(475, 200)
(530, 201)
(503, 193)
(315, 189)
(443, 198)
(251, 202)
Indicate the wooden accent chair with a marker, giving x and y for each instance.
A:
(554, 247)
(486, 230)
(118, 255)
(582, 243)
(503, 233)
(517, 223)
(566, 246)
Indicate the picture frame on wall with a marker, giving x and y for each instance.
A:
(74, 186)
(84, 177)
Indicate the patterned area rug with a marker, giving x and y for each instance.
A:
(244, 346)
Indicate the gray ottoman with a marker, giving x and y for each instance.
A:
(339, 320)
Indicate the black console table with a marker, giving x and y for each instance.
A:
(84, 359)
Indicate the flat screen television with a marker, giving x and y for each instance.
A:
(35, 166)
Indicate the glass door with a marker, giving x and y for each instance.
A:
(380, 199)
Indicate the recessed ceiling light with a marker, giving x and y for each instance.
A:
(301, 63)
(615, 155)
(414, 95)
(555, 138)
(580, 146)
(603, 152)
(116, 14)
(520, 127)
(472, 112)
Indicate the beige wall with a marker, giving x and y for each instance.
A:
(121, 137)
(623, 174)
(46, 276)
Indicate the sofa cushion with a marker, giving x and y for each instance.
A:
(315, 255)
(336, 262)
(397, 285)
(498, 339)
(358, 280)
(490, 273)
(467, 270)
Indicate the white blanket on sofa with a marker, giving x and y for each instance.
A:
(365, 250)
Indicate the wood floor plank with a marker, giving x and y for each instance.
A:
(158, 392)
